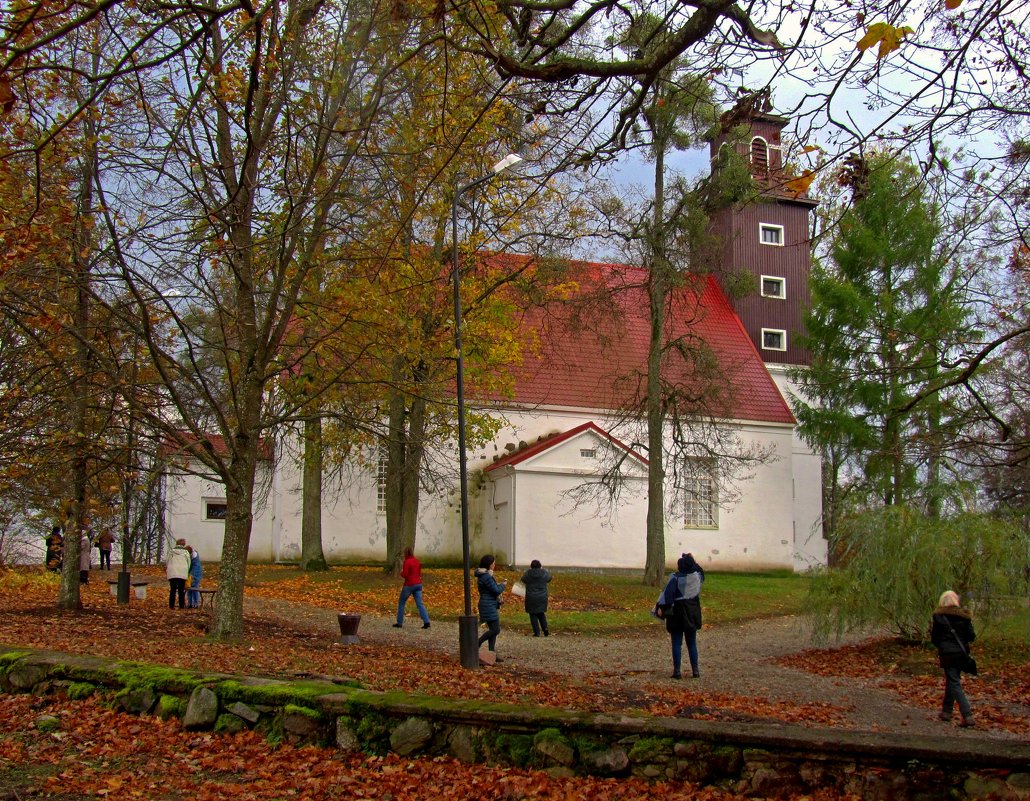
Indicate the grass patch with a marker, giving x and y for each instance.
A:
(1007, 637)
(592, 604)
(586, 603)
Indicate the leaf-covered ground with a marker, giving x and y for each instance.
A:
(92, 752)
(1001, 693)
(286, 635)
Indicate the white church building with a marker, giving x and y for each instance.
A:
(534, 489)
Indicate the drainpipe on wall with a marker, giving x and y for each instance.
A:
(514, 516)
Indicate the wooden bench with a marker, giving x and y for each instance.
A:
(204, 592)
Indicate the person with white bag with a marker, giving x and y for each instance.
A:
(534, 592)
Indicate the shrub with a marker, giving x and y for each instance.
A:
(896, 562)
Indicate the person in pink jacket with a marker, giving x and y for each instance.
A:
(411, 572)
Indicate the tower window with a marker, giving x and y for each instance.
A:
(773, 287)
(774, 339)
(759, 156)
(770, 234)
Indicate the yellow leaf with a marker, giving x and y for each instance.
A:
(801, 184)
(951, 5)
(874, 33)
(887, 36)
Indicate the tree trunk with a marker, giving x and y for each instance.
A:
(412, 475)
(311, 555)
(657, 287)
(405, 451)
(239, 497)
(936, 447)
(82, 247)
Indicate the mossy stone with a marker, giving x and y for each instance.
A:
(229, 724)
(651, 749)
(170, 706)
(79, 690)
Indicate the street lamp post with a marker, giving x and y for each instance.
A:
(467, 623)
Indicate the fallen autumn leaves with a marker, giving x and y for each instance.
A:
(291, 645)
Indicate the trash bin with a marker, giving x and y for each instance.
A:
(349, 628)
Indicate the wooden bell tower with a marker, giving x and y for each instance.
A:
(769, 239)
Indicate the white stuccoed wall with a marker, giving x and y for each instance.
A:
(185, 497)
(810, 546)
(756, 532)
(762, 529)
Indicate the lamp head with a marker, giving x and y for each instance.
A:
(508, 161)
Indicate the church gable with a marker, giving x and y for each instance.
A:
(585, 450)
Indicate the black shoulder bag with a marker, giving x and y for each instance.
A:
(969, 665)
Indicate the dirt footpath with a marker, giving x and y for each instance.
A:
(735, 660)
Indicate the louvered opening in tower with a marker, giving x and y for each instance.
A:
(759, 157)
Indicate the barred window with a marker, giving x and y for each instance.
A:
(699, 503)
(384, 458)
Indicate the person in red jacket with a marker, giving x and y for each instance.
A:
(411, 572)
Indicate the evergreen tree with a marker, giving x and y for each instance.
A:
(888, 306)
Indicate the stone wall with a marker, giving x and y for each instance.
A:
(764, 760)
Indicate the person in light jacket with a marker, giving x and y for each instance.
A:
(680, 606)
(84, 559)
(177, 568)
(490, 599)
(536, 580)
(951, 630)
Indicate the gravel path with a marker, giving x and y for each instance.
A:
(735, 660)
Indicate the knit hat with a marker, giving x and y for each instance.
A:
(686, 563)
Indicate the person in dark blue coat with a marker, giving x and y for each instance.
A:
(679, 606)
(536, 580)
(490, 592)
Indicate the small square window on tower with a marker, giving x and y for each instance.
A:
(769, 234)
(774, 287)
(774, 339)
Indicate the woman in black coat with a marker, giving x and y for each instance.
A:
(536, 580)
(951, 630)
(680, 606)
(491, 592)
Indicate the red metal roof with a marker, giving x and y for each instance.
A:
(549, 442)
(184, 443)
(593, 349)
